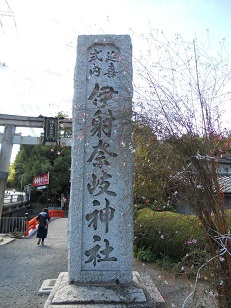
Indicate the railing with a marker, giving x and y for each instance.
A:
(11, 198)
(24, 226)
(31, 225)
(56, 213)
(13, 202)
(12, 224)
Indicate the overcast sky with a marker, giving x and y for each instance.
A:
(38, 41)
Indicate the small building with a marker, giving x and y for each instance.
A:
(224, 172)
(224, 178)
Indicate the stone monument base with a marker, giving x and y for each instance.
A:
(142, 292)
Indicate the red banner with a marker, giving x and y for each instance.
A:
(42, 179)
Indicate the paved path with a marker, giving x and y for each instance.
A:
(24, 266)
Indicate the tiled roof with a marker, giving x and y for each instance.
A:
(225, 183)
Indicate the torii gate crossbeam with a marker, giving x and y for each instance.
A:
(8, 138)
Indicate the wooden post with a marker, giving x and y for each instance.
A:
(5, 155)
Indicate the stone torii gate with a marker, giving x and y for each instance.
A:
(9, 138)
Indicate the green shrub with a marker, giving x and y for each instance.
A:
(17, 234)
(167, 234)
(174, 241)
(146, 255)
(228, 213)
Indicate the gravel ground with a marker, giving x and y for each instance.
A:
(24, 266)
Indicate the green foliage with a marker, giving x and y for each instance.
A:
(35, 160)
(154, 165)
(11, 182)
(228, 215)
(167, 234)
(146, 255)
(163, 168)
(174, 241)
(17, 234)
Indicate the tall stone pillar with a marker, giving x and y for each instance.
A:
(100, 217)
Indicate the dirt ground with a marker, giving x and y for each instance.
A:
(176, 290)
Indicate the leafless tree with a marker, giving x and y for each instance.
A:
(181, 89)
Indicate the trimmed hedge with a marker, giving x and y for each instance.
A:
(167, 234)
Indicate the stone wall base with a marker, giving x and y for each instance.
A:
(142, 292)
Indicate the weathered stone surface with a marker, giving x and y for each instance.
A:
(47, 286)
(140, 293)
(98, 294)
(101, 208)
